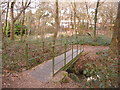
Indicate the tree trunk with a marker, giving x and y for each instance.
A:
(0, 28)
(12, 30)
(95, 19)
(6, 19)
(56, 20)
(87, 15)
(115, 44)
(118, 20)
(75, 17)
(22, 25)
(71, 21)
(12, 21)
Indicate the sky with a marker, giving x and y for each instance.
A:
(36, 1)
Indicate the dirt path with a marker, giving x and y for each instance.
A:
(93, 49)
(25, 80)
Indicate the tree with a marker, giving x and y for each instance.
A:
(115, 44)
(56, 19)
(108, 16)
(28, 21)
(74, 15)
(118, 23)
(74, 9)
(22, 21)
(87, 9)
(43, 16)
(95, 18)
(13, 19)
(2, 40)
(0, 26)
(6, 20)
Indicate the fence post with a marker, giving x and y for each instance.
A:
(43, 46)
(66, 41)
(53, 57)
(77, 45)
(26, 54)
(53, 41)
(72, 50)
(65, 54)
(61, 41)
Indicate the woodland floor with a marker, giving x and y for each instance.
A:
(24, 80)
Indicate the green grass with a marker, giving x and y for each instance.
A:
(88, 40)
(101, 40)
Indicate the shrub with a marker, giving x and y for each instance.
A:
(88, 40)
(104, 74)
(103, 40)
(17, 28)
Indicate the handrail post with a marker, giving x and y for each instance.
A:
(66, 41)
(72, 50)
(77, 49)
(53, 41)
(61, 42)
(53, 58)
(65, 54)
(43, 45)
(26, 54)
(77, 45)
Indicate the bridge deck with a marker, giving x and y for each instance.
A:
(43, 72)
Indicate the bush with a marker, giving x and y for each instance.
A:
(88, 40)
(83, 40)
(104, 74)
(103, 40)
(74, 77)
(17, 28)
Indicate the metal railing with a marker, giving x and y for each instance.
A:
(65, 55)
(68, 45)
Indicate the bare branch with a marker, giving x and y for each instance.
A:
(24, 7)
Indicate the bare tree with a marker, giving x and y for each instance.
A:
(56, 19)
(118, 25)
(74, 9)
(23, 17)
(95, 18)
(107, 15)
(6, 20)
(0, 22)
(87, 9)
(13, 19)
(73, 4)
(115, 44)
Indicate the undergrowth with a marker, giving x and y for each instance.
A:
(102, 73)
(15, 58)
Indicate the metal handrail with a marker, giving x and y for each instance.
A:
(52, 44)
(64, 59)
